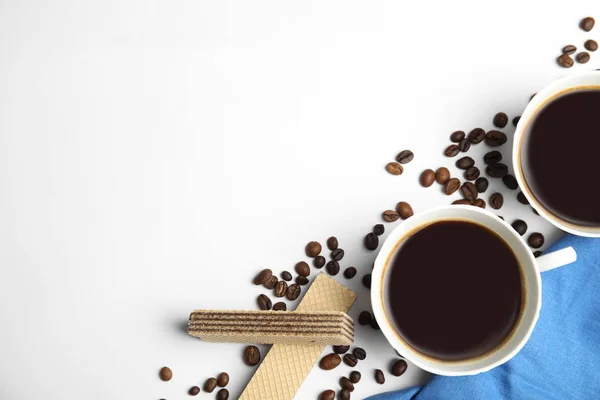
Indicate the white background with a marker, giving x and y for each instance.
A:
(155, 155)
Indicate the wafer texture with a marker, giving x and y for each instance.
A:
(287, 365)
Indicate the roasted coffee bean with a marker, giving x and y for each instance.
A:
(469, 191)
(536, 240)
(565, 61)
(341, 349)
(394, 168)
(262, 276)
(496, 201)
(286, 276)
(355, 376)
(332, 243)
(332, 267)
(500, 120)
(302, 269)
(476, 135)
(359, 353)
(279, 306)
(343, 395)
(481, 184)
(465, 162)
(302, 280)
(280, 289)
(537, 253)
(522, 199)
(337, 254)
(495, 138)
(457, 136)
(497, 170)
(313, 249)
(371, 241)
(223, 379)
(399, 368)
(583, 57)
(319, 261)
(591, 45)
(587, 24)
(569, 49)
(251, 355)
(271, 282)
(165, 374)
(364, 318)
(349, 272)
(264, 303)
(462, 202)
(330, 361)
(374, 323)
(442, 175)
(223, 394)
(345, 383)
(519, 226)
(390, 216)
(464, 145)
(194, 390)
(379, 377)
(510, 181)
(350, 360)
(404, 210)
(479, 203)
(210, 385)
(492, 157)
(451, 186)
(379, 229)
(472, 173)
(293, 291)
(327, 395)
(405, 156)
(427, 178)
(516, 120)
(451, 150)
(366, 281)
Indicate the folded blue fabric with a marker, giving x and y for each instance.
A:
(561, 360)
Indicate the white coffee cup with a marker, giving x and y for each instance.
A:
(572, 82)
(531, 268)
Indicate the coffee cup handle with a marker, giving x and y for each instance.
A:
(556, 259)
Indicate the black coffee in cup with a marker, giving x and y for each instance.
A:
(453, 290)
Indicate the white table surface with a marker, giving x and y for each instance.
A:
(155, 155)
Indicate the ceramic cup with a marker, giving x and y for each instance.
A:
(530, 267)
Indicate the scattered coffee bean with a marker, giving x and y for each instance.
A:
(349, 272)
(210, 385)
(359, 353)
(464, 145)
(355, 377)
(390, 216)
(330, 361)
(481, 184)
(479, 203)
(399, 368)
(404, 210)
(591, 45)
(472, 173)
(498, 170)
(286, 276)
(280, 289)
(366, 281)
(350, 360)
(496, 201)
(165, 374)
(457, 136)
(332, 243)
(319, 262)
(465, 162)
(379, 229)
(394, 168)
(442, 175)
(374, 323)
(500, 120)
(343, 395)
(379, 377)
(516, 120)
(451, 186)
(476, 135)
(537, 253)
(469, 191)
(327, 395)
(510, 181)
(302, 280)
(583, 57)
(451, 150)
(536, 240)
(341, 349)
(194, 390)
(271, 282)
(569, 49)
(279, 306)
(427, 178)
(492, 157)
(587, 24)
(302, 269)
(251, 355)
(345, 383)
(495, 138)
(522, 199)
(264, 302)
(313, 249)
(262, 276)
(462, 202)
(337, 254)
(405, 156)
(223, 394)
(519, 226)
(223, 379)
(371, 241)
(565, 61)
(332, 267)
(293, 291)
(364, 318)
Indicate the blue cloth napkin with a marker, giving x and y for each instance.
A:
(561, 360)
